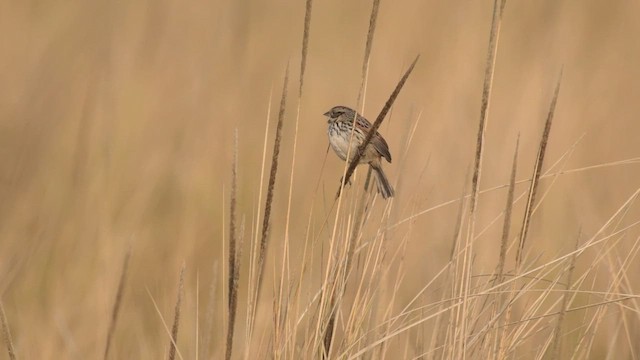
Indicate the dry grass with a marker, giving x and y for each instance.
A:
(234, 265)
(118, 136)
(176, 318)
(6, 334)
(118, 302)
(464, 268)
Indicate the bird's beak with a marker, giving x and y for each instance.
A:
(328, 114)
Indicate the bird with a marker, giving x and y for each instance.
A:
(341, 121)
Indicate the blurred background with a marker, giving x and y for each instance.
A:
(117, 123)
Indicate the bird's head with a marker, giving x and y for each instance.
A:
(337, 112)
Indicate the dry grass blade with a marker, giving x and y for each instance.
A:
(6, 333)
(208, 336)
(457, 229)
(536, 174)
(461, 313)
(281, 302)
(367, 49)
(305, 42)
(529, 207)
(359, 220)
(556, 348)
(504, 242)
(376, 126)
(270, 189)
(253, 258)
(232, 217)
(176, 317)
(233, 266)
(440, 334)
(118, 302)
(486, 97)
(328, 335)
(164, 323)
(507, 217)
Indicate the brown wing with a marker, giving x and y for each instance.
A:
(381, 146)
(377, 140)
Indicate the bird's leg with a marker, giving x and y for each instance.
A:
(348, 183)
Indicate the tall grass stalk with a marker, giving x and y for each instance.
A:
(253, 263)
(373, 19)
(462, 313)
(6, 334)
(285, 286)
(118, 302)
(255, 286)
(176, 317)
(504, 243)
(528, 212)
(556, 347)
(210, 313)
(536, 174)
(234, 268)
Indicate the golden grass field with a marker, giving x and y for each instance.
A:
(117, 124)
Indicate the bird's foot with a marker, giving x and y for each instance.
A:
(348, 183)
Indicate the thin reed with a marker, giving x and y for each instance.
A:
(234, 267)
(537, 171)
(556, 347)
(209, 316)
(173, 343)
(260, 250)
(305, 43)
(118, 301)
(508, 212)
(6, 333)
(465, 264)
(264, 237)
(373, 19)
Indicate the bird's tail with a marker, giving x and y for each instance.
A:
(384, 187)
